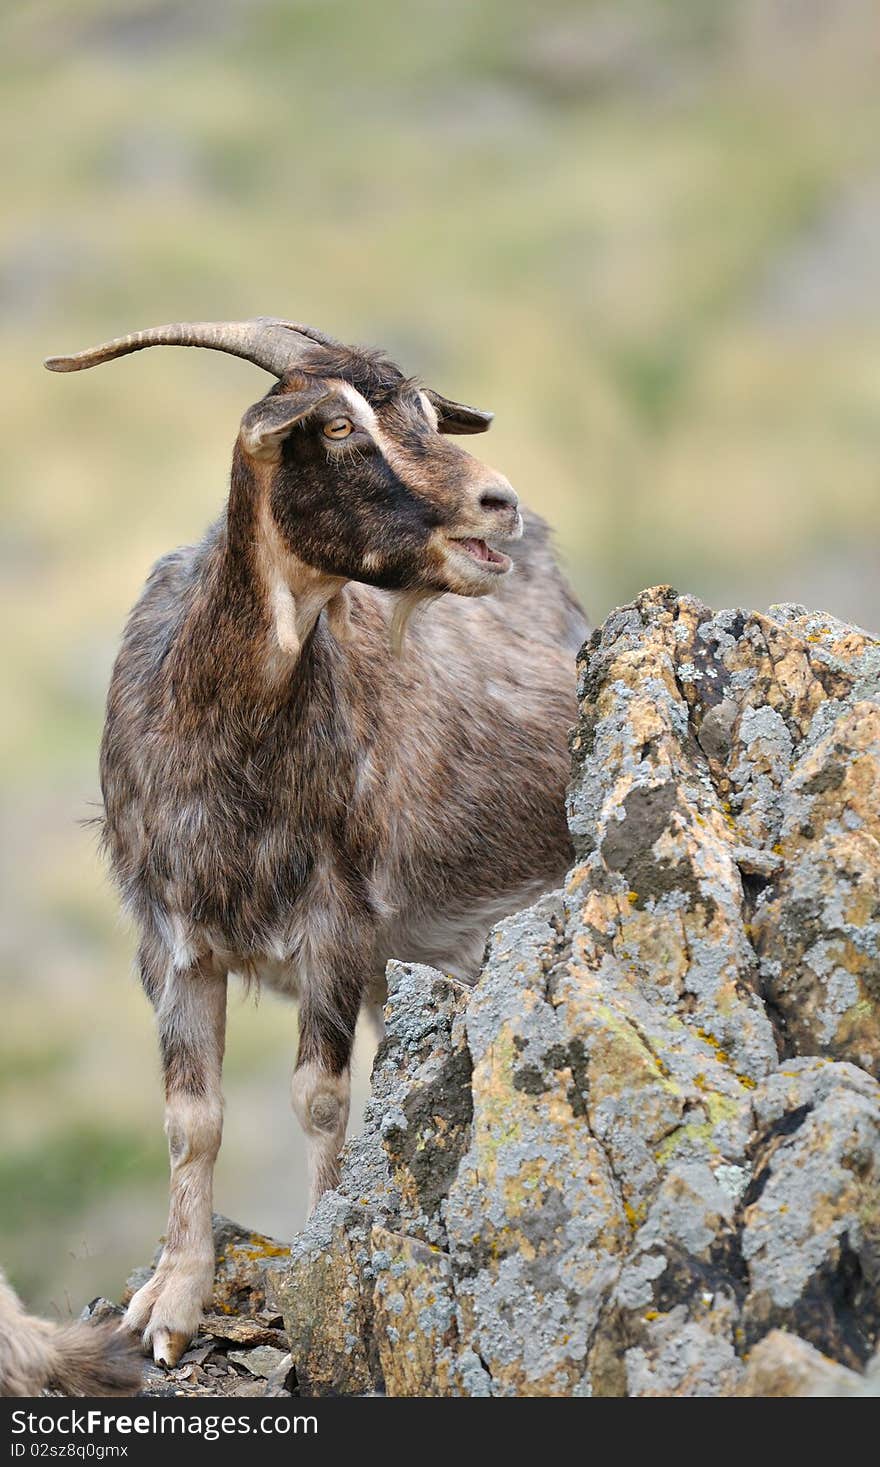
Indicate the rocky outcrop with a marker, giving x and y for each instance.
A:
(642, 1156)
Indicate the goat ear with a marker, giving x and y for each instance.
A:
(455, 417)
(265, 426)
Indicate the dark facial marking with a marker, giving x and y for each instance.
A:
(371, 513)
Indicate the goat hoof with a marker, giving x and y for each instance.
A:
(168, 1346)
(166, 1310)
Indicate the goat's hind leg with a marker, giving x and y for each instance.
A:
(191, 1015)
(321, 1090)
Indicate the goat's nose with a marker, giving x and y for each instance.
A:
(499, 495)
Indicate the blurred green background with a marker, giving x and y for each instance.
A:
(647, 234)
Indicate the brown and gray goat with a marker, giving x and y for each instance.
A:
(293, 791)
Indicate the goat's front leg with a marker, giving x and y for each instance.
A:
(321, 1090)
(191, 1014)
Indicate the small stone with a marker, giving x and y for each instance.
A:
(282, 1380)
(248, 1388)
(261, 1361)
(198, 1352)
(238, 1330)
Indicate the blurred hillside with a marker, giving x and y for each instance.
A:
(647, 234)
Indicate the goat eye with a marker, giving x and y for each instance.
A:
(338, 428)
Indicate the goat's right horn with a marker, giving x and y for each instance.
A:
(275, 345)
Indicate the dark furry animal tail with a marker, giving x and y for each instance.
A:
(78, 1359)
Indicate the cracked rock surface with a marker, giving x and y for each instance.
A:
(642, 1156)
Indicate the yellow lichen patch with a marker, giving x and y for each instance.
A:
(721, 1055)
(721, 1108)
(264, 1248)
(650, 943)
(621, 1060)
(696, 1135)
(635, 1216)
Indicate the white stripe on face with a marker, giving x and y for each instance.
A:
(365, 417)
(361, 412)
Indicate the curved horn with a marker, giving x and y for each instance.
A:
(275, 345)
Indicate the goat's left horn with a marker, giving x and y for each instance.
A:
(275, 345)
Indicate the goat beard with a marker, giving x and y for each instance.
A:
(407, 605)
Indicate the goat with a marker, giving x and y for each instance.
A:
(78, 1359)
(295, 793)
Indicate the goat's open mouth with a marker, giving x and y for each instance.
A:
(489, 559)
